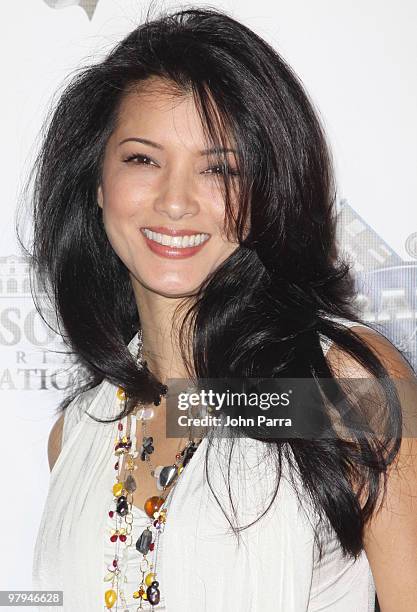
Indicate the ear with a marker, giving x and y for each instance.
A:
(100, 196)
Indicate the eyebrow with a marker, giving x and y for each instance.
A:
(151, 143)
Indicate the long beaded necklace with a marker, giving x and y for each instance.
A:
(155, 507)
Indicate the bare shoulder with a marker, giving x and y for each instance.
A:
(390, 537)
(55, 441)
(346, 366)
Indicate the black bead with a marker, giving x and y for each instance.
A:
(144, 541)
(147, 447)
(153, 593)
(122, 506)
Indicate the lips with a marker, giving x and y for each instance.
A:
(174, 243)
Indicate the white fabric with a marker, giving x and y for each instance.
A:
(274, 569)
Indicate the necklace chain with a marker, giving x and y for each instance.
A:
(155, 507)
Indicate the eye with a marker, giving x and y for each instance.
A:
(139, 159)
(222, 169)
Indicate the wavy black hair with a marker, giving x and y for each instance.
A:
(263, 312)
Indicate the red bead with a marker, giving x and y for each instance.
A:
(120, 426)
(155, 522)
(113, 538)
(122, 537)
(151, 546)
(114, 562)
(116, 465)
(111, 514)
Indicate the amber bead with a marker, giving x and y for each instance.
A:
(117, 489)
(110, 598)
(121, 395)
(153, 504)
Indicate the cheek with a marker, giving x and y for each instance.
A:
(218, 209)
(118, 213)
(220, 221)
(120, 203)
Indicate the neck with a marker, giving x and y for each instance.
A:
(160, 326)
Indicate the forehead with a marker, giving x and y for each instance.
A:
(156, 92)
(154, 101)
(159, 107)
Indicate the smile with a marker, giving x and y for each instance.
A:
(179, 242)
(174, 243)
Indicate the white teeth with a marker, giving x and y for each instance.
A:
(178, 242)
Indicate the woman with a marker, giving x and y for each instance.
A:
(184, 227)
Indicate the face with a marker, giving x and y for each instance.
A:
(161, 193)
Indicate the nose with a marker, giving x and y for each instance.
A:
(176, 198)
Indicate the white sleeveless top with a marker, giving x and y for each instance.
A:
(199, 565)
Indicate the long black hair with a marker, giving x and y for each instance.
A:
(263, 312)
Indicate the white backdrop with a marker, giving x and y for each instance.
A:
(357, 59)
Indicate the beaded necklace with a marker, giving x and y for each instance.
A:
(156, 506)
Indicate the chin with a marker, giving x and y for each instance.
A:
(171, 288)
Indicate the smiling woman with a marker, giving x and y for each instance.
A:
(160, 192)
(184, 230)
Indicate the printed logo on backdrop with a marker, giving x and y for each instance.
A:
(89, 6)
(386, 284)
(29, 361)
(387, 297)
